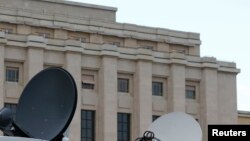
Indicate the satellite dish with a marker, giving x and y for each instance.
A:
(176, 126)
(46, 106)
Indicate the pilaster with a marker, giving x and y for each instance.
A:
(73, 66)
(209, 99)
(107, 106)
(142, 117)
(176, 85)
(227, 92)
(2, 73)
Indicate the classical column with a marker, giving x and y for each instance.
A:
(142, 114)
(107, 105)
(73, 65)
(2, 73)
(176, 86)
(209, 99)
(227, 92)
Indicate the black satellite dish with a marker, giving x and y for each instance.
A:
(46, 106)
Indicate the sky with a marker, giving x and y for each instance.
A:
(224, 27)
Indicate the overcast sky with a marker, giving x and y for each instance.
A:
(224, 26)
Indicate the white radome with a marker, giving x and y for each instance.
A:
(176, 126)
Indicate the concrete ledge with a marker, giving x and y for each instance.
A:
(36, 45)
(73, 49)
(143, 51)
(175, 55)
(96, 47)
(210, 65)
(128, 51)
(37, 39)
(244, 113)
(161, 55)
(16, 44)
(230, 70)
(66, 2)
(144, 57)
(178, 61)
(73, 43)
(55, 42)
(194, 59)
(109, 47)
(109, 53)
(15, 37)
(193, 64)
(227, 64)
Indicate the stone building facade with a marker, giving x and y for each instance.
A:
(244, 117)
(126, 74)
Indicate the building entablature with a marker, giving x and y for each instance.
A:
(33, 41)
(45, 17)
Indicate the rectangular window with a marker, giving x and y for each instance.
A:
(154, 117)
(88, 86)
(87, 125)
(157, 88)
(123, 85)
(12, 74)
(88, 82)
(190, 92)
(123, 127)
(12, 107)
